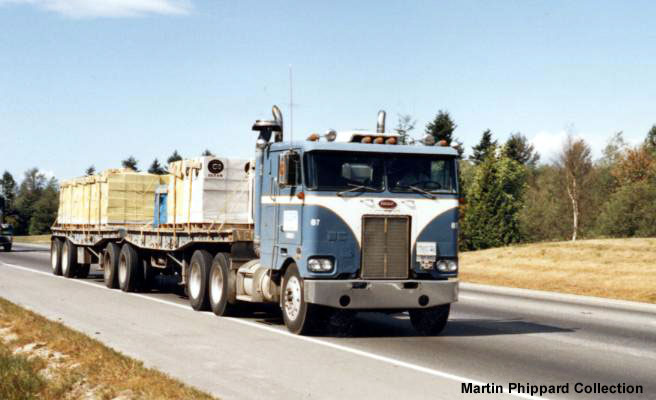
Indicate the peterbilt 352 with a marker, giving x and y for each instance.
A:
(340, 222)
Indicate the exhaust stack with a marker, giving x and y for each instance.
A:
(380, 126)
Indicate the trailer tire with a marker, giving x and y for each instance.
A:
(148, 274)
(83, 271)
(69, 265)
(129, 270)
(198, 279)
(110, 265)
(56, 256)
(430, 321)
(221, 286)
(300, 317)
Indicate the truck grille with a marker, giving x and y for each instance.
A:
(385, 247)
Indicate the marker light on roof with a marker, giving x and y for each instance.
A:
(331, 135)
(379, 140)
(391, 140)
(366, 139)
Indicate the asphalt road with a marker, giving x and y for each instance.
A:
(492, 337)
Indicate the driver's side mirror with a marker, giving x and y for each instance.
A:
(289, 168)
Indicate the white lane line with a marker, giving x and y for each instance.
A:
(346, 349)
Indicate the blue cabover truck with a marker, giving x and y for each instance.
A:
(341, 221)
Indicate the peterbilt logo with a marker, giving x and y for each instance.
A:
(387, 204)
(215, 167)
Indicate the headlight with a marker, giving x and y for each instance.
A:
(446, 266)
(320, 264)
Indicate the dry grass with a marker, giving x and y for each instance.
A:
(613, 268)
(68, 364)
(36, 239)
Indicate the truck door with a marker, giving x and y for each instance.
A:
(290, 208)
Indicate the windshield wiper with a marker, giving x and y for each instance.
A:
(419, 190)
(354, 188)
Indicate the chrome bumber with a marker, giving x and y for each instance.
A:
(364, 294)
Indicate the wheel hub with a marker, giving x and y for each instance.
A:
(292, 301)
(216, 286)
(194, 281)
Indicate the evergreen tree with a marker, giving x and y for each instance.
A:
(156, 168)
(484, 148)
(174, 157)
(519, 149)
(650, 140)
(207, 153)
(45, 209)
(494, 199)
(441, 128)
(90, 171)
(130, 163)
(29, 192)
(8, 189)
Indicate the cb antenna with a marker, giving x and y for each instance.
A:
(291, 106)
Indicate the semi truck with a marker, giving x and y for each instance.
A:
(344, 221)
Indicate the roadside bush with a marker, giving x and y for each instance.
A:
(630, 211)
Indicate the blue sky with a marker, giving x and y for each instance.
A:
(90, 82)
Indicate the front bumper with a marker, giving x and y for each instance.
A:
(368, 295)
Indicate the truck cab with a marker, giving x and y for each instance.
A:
(6, 236)
(353, 220)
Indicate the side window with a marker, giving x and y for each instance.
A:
(289, 169)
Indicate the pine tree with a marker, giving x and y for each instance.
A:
(494, 199)
(174, 157)
(519, 149)
(45, 209)
(207, 153)
(156, 168)
(442, 127)
(90, 171)
(484, 148)
(130, 163)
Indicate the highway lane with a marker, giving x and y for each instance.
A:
(490, 338)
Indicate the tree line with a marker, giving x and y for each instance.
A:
(509, 195)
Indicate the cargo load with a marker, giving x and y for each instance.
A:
(115, 196)
(209, 190)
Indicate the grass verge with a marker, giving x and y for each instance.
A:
(614, 268)
(35, 239)
(43, 359)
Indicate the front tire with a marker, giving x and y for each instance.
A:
(110, 265)
(430, 321)
(128, 269)
(56, 256)
(198, 278)
(300, 317)
(69, 265)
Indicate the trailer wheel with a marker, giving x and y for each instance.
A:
(69, 264)
(220, 286)
(199, 275)
(300, 317)
(430, 321)
(56, 256)
(83, 271)
(128, 268)
(110, 265)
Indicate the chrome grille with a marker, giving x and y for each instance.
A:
(385, 247)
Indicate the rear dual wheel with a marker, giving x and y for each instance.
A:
(198, 279)
(130, 274)
(69, 265)
(56, 256)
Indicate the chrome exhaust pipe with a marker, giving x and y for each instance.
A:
(380, 126)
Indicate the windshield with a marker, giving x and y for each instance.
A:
(339, 171)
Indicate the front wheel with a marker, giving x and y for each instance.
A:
(430, 321)
(300, 317)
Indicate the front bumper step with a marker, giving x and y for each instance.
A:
(371, 295)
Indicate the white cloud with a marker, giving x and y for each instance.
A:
(549, 144)
(108, 8)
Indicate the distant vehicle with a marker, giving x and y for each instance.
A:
(6, 236)
(344, 221)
